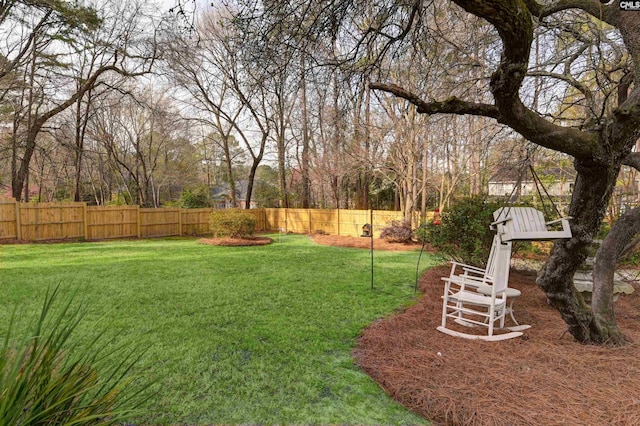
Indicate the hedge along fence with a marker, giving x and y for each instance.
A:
(59, 221)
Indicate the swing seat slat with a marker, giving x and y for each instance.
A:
(527, 223)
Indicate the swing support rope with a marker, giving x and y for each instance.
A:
(538, 183)
(540, 188)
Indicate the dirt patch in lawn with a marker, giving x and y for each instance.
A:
(253, 241)
(541, 378)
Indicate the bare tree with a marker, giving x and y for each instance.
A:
(138, 136)
(223, 89)
(51, 90)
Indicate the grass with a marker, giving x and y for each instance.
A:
(234, 334)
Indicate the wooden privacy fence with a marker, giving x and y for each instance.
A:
(59, 221)
(332, 222)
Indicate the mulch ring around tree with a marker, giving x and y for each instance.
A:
(253, 241)
(541, 378)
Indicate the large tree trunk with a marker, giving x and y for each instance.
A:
(18, 182)
(252, 173)
(228, 161)
(619, 241)
(593, 189)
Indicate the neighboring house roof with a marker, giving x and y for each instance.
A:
(224, 190)
(505, 181)
(512, 174)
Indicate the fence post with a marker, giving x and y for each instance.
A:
(179, 221)
(310, 222)
(85, 224)
(18, 225)
(36, 230)
(138, 221)
(338, 221)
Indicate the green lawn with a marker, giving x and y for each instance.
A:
(234, 334)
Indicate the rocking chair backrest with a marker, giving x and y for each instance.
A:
(502, 266)
(497, 271)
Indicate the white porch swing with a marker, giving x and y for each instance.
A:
(475, 297)
(527, 223)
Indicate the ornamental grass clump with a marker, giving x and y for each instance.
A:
(48, 379)
(232, 223)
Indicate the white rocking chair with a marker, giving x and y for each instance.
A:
(527, 223)
(466, 306)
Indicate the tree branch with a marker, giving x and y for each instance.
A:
(514, 23)
(632, 160)
(452, 105)
(89, 83)
(581, 87)
(10, 65)
(524, 121)
(592, 7)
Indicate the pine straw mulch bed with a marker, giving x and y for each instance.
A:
(363, 242)
(541, 378)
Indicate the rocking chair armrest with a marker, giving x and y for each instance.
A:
(466, 270)
(465, 266)
(473, 273)
(559, 220)
(467, 280)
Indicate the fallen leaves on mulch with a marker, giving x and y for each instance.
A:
(541, 378)
(254, 241)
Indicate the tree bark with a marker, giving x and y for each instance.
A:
(593, 188)
(257, 159)
(613, 247)
(228, 161)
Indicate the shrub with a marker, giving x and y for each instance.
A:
(196, 198)
(232, 223)
(463, 232)
(46, 379)
(398, 231)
